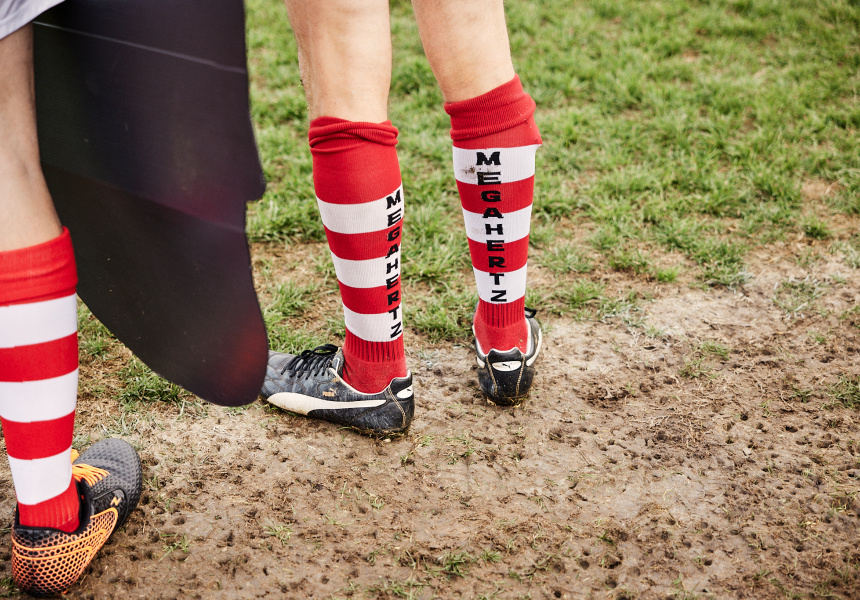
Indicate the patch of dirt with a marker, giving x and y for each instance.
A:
(705, 453)
(816, 190)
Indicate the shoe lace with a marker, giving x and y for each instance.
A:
(88, 473)
(312, 362)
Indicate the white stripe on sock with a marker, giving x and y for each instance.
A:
(42, 478)
(375, 328)
(38, 322)
(513, 283)
(515, 164)
(371, 273)
(363, 218)
(510, 228)
(43, 400)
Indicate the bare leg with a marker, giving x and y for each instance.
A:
(28, 215)
(466, 42)
(344, 57)
(38, 345)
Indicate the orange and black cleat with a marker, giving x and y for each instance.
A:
(109, 479)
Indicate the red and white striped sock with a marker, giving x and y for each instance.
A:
(495, 140)
(39, 379)
(360, 198)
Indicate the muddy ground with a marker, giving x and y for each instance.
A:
(705, 448)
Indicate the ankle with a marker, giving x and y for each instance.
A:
(61, 512)
(501, 327)
(369, 367)
(502, 338)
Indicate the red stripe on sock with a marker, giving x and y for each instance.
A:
(370, 366)
(373, 351)
(39, 361)
(61, 512)
(42, 272)
(502, 315)
(370, 301)
(364, 246)
(506, 197)
(39, 439)
(365, 181)
(515, 254)
(502, 326)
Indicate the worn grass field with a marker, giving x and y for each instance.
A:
(693, 431)
(679, 136)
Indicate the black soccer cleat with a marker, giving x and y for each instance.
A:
(312, 384)
(506, 377)
(109, 480)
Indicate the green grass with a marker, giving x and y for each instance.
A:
(714, 349)
(288, 302)
(441, 317)
(847, 391)
(566, 259)
(669, 126)
(623, 260)
(698, 364)
(815, 228)
(285, 337)
(94, 340)
(142, 385)
(667, 275)
(456, 563)
(8, 589)
(580, 294)
(290, 299)
(851, 251)
(279, 531)
(796, 296)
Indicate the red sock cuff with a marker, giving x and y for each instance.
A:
(354, 162)
(502, 315)
(38, 273)
(328, 129)
(60, 512)
(370, 366)
(502, 326)
(498, 110)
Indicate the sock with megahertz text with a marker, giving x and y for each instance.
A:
(360, 198)
(39, 379)
(495, 140)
